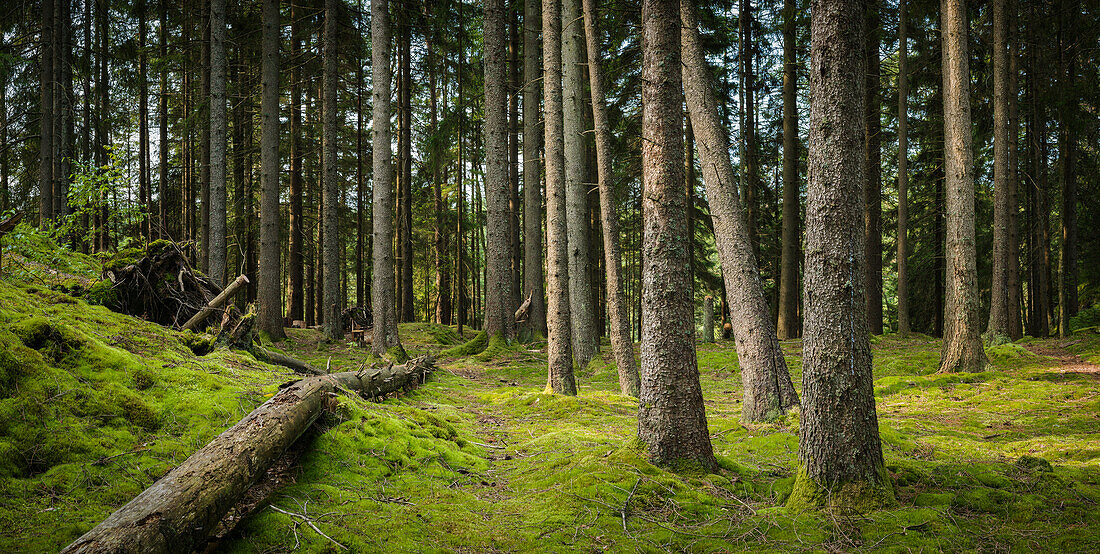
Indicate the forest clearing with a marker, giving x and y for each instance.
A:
(480, 458)
(549, 275)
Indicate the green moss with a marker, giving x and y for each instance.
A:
(199, 344)
(857, 497)
(933, 499)
(473, 346)
(1034, 464)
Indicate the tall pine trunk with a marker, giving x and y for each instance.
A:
(839, 451)
(962, 347)
(295, 261)
(46, 117)
(903, 170)
(218, 128)
(333, 243)
(672, 422)
(559, 351)
(1069, 12)
(621, 344)
(386, 340)
(872, 192)
(768, 390)
(1002, 208)
(533, 275)
(787, 325)
(269, 312)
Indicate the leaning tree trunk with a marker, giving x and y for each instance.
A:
(962, 345)
(839, 451)
(499, 310)
(768, 390)
(559, 352)
(182, 508)
(621, 344)
(672, 421)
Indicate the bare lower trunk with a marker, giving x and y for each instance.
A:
(533, 274)
(768, 390)
(962, 347)
(382, 290)
(333, 245)
(903, 172)
(838, 449)
(621, 344)
(218, 126)
(269, 278)
(672, 422)
(999, 303)
(872, 192)
(559, 350)
(787, 326)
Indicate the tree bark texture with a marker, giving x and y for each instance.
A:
(218, 127)
(333, 245)
(839, 449)
(533, 274)
(672, 421)
(559, 350)
(46, 117)
(295, 261)
(179, 511)
(1015, 322)
(999, 303)
(382, 287)
(962, 347)
(1069, 11)
(872, 192)
(582, 309)
(269, 277)
(621, 345)
(787, 326)
(903, 170)
(768, 390)
(499, 306)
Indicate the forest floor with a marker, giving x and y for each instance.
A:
(95, 406)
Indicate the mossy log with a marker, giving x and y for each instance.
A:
(180, 510)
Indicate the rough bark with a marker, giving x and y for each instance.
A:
(787, 326)
(872, 192)
(708, 319)
(903, 170)
(295, 262)
(621, 344)
(333, 303)
(216, 303)
(749, 187)
(514, 231)
(180, 510)
(533, 274)
(169, 226)
(406, 305)
(999, 303)
(1069, 11)
(581, 308)
(962, 348)
(838, 449)
(499, 305)
(768, 390)
(672, 421)
(269, 309)
(204, 133)
(439, 240)
(559, 351)
(1015, 323)
(218, 243)
(46, 117)
(382, 287)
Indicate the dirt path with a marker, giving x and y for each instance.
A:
(1070, 363)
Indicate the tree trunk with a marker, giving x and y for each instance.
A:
(179, 511)
(386, 338)
(169, 225)
(514, 233)
(1067, 293)
(218, 127)
(748, 125)
(962, 348)
(533, 275)
(295, 262)
(672, 421)
(559, 350)
(582, 310)
(46, 117)
(206, 133)
(903, 170)
(872, 192)
(768, 390)
(838, 449)
(144, 194)
(333, 243)
(360, 206)
(788, 326)
(103, 138)
(621, 344)
(269, 310)
(499, 309)
(405, 203)
(1015, 324)
(999, 303)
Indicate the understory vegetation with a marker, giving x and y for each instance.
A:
(95, 406)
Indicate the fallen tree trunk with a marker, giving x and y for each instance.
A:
(215, 303)
(184, 507)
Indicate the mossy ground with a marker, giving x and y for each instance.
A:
(96, 406)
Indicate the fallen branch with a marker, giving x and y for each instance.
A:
(179, 511)
(215, 303)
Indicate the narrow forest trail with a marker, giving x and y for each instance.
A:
(1070, 362)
